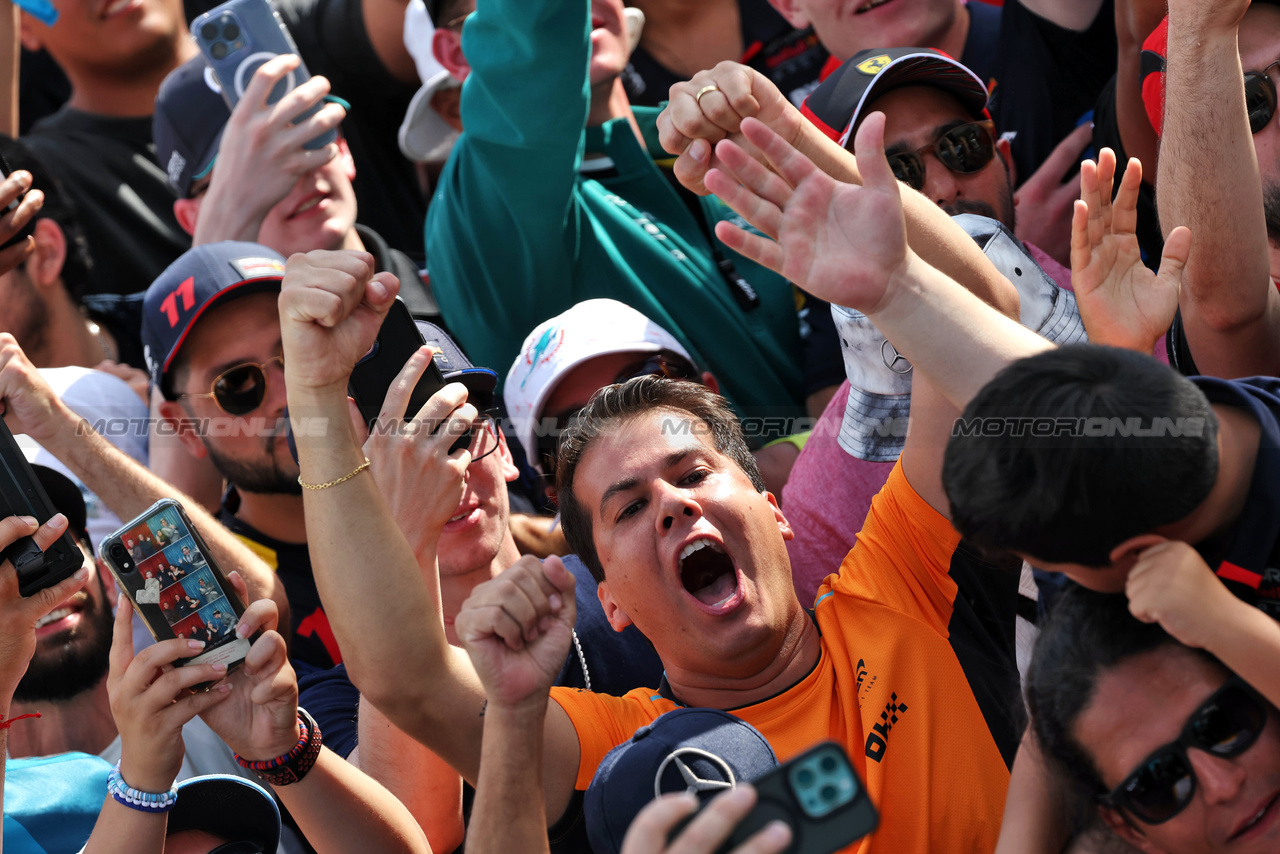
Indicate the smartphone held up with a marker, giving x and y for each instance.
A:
(163, 566)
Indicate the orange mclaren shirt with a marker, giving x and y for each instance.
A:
(916, 679)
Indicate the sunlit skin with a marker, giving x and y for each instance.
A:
(1143, 704)
(663, 488)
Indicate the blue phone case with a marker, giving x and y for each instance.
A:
(236, 38)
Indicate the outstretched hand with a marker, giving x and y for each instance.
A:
(1122, 303)
(841, 242)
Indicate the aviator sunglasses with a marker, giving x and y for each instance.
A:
(1260, 97)
(241, 389)
(965, 149)
(1225, 725)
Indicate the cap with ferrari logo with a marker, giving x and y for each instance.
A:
(839, 102)
(200, 279)
(703, 751)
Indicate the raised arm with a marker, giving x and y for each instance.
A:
(126, 487)
(689, 127)
(391, 632)
(1210, 182)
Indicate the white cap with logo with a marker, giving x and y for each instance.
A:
(597, 327)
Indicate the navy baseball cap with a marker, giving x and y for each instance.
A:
(190, 115)
(187, 124)
(230, 807)
(703, 751)
(200, 279)
(839, 101)
(457, 368)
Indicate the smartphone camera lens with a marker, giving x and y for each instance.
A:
(829, 793)
(804, 778)
(218, 50)
(231, 32)
(828, 765)
(209, 32)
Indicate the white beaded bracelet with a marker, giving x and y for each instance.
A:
(138, 800)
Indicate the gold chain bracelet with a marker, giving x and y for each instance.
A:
(364, 465)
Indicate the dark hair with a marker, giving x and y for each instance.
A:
(59, 207)
(1066, 454)
(1086, 634)
(617, 404)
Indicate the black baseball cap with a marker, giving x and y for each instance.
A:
(230, 807)
(187, 124)
(66, 498)
(839, 101)
(200, 279)
(190, 115)
(704, 751)
(457, 368)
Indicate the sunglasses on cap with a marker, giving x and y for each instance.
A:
(241, 389)
(1260, 97)
(1225, 725)
(965, 149)
(666, 365)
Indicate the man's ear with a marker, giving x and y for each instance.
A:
(108, 581)
(345, 159)
(186, 211)
(1125, 555)
(172, 411)
(1005, 152)
(1115, 821)
(783, 525)
(44, 265)
(509, 470)
(709, 380)
(793, 11)
(446, 46)
(29, 32)
(612, 610)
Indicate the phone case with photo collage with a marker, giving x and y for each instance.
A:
(164, 568)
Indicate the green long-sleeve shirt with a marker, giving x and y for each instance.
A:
(519, 231)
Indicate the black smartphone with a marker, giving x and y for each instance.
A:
(371, 379)
(26, 230)
(22, 495)
(237, 38)
(164, 567)
(818, 795)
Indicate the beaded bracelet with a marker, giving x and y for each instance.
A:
(294, 765)
(134, 799)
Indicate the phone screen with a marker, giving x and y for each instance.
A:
(171, 574)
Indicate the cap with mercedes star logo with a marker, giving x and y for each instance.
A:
(200, 279)
(839, 102)
(704, 751)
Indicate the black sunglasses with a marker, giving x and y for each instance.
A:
(241, 389)
(1225, 725)
(1260, 97)
(965, 149)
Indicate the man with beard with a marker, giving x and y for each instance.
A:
(212, 338)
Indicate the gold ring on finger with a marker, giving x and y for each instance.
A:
(697, 99)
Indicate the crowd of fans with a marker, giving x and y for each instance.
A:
(898, 373)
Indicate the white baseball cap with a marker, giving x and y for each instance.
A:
(597, 327)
